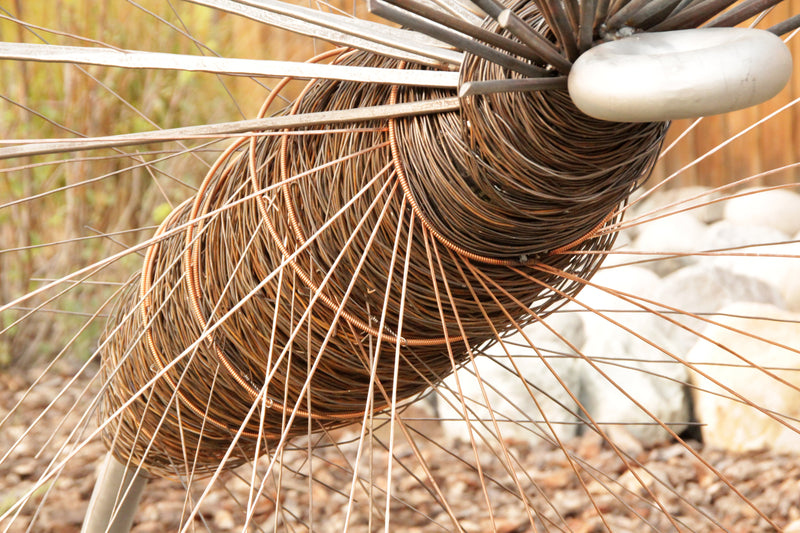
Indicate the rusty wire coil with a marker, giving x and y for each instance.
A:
(329, 255)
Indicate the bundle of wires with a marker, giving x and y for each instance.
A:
(318, 277)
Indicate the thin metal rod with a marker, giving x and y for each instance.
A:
(459, 40)
(692, 17)
(517, 27)
(220, 65)
(653, 13)
(790, 24)
(464, 10)
(53, 146)
(573, 10)
(616, 5)
(476, 32)
(510, 21)
(684, 4)
(115, 498)
(490, 7)
(622, 16)
(557, 18)
(738, 14)
(586, 25)
(473, 88)
(602, 12)
(348, 31)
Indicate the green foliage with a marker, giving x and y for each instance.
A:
(161, 212)
(47, 101)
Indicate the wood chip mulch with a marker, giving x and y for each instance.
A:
(660, 489)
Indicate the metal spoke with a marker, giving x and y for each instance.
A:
(694, 16)
(395, 14)
(481, 34)
(338, 29)
(790, 24)
(473, 88)
(293, 121)
(223, 65)
(742, 12)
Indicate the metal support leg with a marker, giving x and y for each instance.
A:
(115, 498)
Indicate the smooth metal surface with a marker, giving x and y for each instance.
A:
(681, 74)
(473, 88)
(115, 499)
(339, 29)
(510, 21)
(219, 65)
(243, 126)
(457, 39)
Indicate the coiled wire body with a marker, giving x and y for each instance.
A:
(318, 277)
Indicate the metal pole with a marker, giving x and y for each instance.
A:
(115, 498)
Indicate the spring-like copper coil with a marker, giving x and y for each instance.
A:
(315, 277)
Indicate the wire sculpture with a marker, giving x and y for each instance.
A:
(429, 192)
(491, 209)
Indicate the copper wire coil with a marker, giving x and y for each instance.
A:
(426, 236)
(526, 173)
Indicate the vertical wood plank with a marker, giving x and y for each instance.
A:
(774, 144)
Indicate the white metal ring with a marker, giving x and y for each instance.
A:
(679, 74)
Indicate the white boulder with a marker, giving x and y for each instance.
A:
(524, 386)
(612, 291)
(778, 209)
(628, 381)
(692, 292)
(751, 371)
(760, 252)
(790, 286)
(696, 200)
(673, 239)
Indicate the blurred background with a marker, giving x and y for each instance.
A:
(130, 191)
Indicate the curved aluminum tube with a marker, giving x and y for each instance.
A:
(115, 498)
(679, 74)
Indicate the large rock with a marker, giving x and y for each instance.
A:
(628, 380)
(725, 237)
(692, 292)
(673, 239)
(613, 291)
(633, 383)
(698, 201)
(778, 209)
(521, 390)
(763, 375)
(621, 254)
(760, 252)
(790, 288)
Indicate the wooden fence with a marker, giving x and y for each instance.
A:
(771, 145)
(766, 148)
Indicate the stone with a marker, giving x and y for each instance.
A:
(628, 380)
(620, 251)
(678, 235)
(521, 390)
(599, 295)
(223, 520)
(777, 208)
(700, 289)
(632, 383)
(760, 252)
(695, 200)
(790, 286)
(736, 425)
(727, 234)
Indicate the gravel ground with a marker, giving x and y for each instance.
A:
(690, 496)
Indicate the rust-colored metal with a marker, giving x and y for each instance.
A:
(278, 296)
